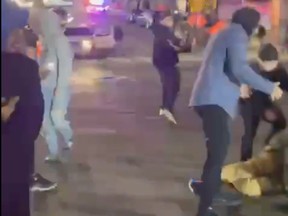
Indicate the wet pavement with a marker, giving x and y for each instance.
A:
(126, 160)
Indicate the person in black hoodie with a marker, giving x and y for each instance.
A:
(165, 59)
(22, 108)
(257, 106)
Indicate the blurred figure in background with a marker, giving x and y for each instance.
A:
(57, 57)
(165, 59)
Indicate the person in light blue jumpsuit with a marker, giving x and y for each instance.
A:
(58, 57)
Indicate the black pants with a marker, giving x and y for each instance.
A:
(170, 80)
(216, 127)
(15, 175)
(251, 119)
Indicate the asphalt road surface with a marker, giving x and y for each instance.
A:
(127, 161)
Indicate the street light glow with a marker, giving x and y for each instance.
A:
(97, 2)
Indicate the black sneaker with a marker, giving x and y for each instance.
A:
(195, 186)
(210, 212)
(40, 184)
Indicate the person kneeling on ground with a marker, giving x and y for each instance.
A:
(256, 106)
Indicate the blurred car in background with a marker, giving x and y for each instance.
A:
(93, 41)
(141, 14)
(141, 18)
(97, 6)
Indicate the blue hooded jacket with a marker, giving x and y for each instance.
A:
(225, 66)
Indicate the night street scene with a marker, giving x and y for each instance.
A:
(144, 107)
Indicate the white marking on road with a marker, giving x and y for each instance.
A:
(95, 131)
(153, 117)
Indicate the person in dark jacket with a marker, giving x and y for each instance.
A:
(19, 79)
(215, 97)
(257, 106)
(21, 121)
(165, 59)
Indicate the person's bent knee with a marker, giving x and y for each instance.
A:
(58, 118)
(280, 125)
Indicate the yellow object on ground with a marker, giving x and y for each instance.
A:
(262, 174)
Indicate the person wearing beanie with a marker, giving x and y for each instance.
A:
(165, 59)
(256, 106)
(215, 97)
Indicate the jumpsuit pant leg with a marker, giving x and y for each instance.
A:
(63, 93)
(278, 124)
(216, 126)
(48, 129)
(62, 98)
(251, 122)
(59, 112)
(170, 79)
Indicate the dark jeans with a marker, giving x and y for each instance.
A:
(216, 127)
(251, 119)
(170, 80)
(15, 175)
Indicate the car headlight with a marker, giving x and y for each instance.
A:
(86, 45)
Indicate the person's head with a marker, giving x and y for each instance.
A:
(16, 42)
(38, 3)
(63, 15)
(261, 32)
(166, 19)
(248, 18)
(268, 57)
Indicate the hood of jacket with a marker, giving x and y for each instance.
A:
(248, 18)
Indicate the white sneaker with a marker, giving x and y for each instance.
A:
(52, 159)
(169, 116)
(68, 146)
(161, 112)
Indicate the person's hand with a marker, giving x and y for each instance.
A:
(9, 108)
(277, 92)
(245, 91)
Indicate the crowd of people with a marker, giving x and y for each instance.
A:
(35, 96)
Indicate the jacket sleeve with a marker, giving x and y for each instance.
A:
(283, 79)
(239, 66)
